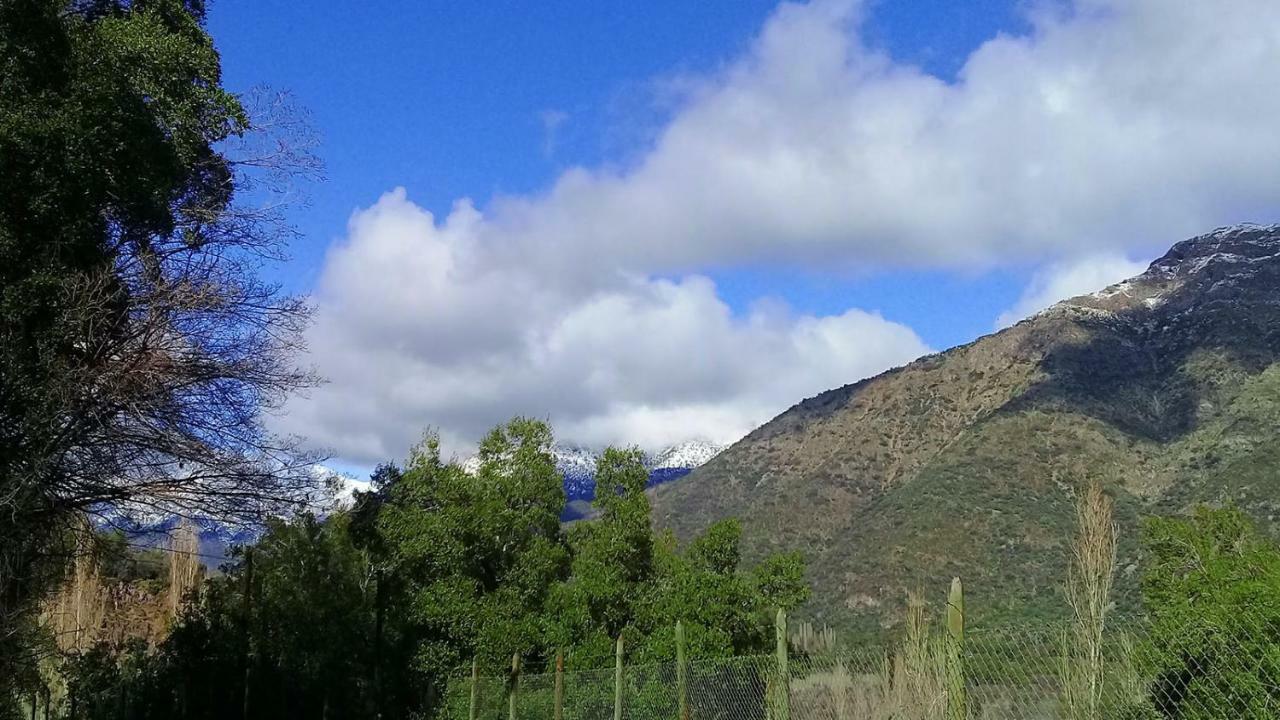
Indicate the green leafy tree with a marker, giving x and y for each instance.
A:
(479, 552)
(625, 581)
(613, 562)
(373, 611)
(1212, 588)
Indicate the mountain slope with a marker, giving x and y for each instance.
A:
(964, 463)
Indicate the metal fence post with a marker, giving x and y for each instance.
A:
(956, 700)
(475, 689)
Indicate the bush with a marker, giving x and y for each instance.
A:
(1212, 589)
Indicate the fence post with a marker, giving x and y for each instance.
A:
(514, 688)
(617, 680)
(682, 673)
(783, 702)
(956, 701)
(475, 689)
(558, 710)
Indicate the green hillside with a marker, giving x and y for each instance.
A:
(965, 463)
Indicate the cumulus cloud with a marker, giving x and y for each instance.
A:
(1112, 126)
(413, 329)
(1114, 122)
(1061, 281)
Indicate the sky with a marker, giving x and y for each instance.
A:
(661, 221)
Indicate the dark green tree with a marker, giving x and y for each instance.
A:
(137, 346)
(375, 610)
(1212, 588)
(626, 581)
(479, 552)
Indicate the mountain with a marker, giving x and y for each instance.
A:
(692, 454)
(215, 538)
(145, 526)
(578, 465)
(1165, 386)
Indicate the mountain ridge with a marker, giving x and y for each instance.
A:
(964, 462)
(578, 464)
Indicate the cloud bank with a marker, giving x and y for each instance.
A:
(413, 328)
(1114, 126)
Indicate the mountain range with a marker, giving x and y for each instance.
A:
(576, 463)
(966, 463)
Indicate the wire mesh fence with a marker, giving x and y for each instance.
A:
(1141, 672)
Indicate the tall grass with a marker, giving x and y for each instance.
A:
(909, 683)
(1089, 583)
(184, 565)
(75, 614)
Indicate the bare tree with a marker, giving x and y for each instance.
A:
(182, 350)
(177, 352)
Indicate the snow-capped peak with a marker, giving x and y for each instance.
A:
(576, 460)
(691, 454)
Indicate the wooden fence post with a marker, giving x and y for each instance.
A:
(475, 689)
(248, 629)
(783, 689)
(514, 690)
(558, 709)
(682, 673)
(957, 703)
(617, 680)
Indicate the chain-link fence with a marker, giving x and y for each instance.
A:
(1140, 671)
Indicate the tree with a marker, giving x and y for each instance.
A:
(613, 565)
(374, 610)
(625, 581)
(479, 552)
(138, 348)
(1210, 586)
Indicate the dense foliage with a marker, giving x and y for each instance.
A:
(138, 348)
(1212, 587)
(371, 611)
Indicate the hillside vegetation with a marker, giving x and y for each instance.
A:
(967, 462)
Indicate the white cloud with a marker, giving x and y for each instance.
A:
(1066, 280)
(1120, 123)
(412, 329)
(1113, 127)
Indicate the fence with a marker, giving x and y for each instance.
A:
(1140, 673)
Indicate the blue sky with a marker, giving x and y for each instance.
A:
(451, 102)
(665, 220)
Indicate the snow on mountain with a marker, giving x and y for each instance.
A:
(691, 454)
(335, 491)
(579, 461)
(341, 495)
(146, 526)
(578, 465)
